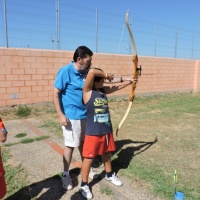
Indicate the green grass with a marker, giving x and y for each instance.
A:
(23, 111)
(53, 125)
(15, 175)
(20, 135)
(174, 120)
(28, 140)
(106, 190)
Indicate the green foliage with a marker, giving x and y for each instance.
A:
(20, 135)
(174, 120)
(41, 138)
(106, 190)
(53, 125)
(13, 175)
(23, 111)
(28, 140)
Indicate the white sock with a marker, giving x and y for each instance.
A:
(66, 173)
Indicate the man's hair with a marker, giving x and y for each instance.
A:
(82, 52)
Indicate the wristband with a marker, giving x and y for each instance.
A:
(4, 130)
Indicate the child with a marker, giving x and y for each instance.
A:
(3, 137)
(99, 133)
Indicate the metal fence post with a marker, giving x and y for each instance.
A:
(58, 23)
(155, 39)
(176, 43)
(96, 31)
(5, 22)
(193, 37)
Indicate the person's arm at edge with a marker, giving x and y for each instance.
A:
(3, 134)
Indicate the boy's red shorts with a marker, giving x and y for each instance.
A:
(98, 145)
(2, 180)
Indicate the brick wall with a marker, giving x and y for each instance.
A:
(27, 75)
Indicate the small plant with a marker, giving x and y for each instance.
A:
(30, 140)
(15, 175)
(23, 111)
(54, 125)
(27, 140)
(44, 137)
(106, 190)
(20, 135)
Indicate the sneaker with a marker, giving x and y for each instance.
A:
(85, 191)
(67, 182)
(93, 174)
(114, 179)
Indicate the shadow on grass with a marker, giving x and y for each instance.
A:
(50, 188)
(122, 161)
(125, 155)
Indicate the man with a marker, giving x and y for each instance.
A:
(68, 87)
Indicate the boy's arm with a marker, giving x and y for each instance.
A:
(114, 88)
(88, 86)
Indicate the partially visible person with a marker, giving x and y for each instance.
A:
(68, 87)
(3, 137)
(99, 138)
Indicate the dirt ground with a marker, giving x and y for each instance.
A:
(158, 135)
(42, 161)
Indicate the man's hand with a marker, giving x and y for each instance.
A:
(64, 121)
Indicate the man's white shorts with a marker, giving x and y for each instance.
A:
(74, 133)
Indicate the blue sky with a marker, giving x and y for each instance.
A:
(33, 24)
(177, 13)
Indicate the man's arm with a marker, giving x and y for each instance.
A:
(56, 98)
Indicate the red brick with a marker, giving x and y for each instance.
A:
(12, 77)
(36, 77)
(30, 83)
(30, 71)
(17, 83)
(2, 77)
(24, 77)
(17, 71)
(37, 88)
(12, 90)
(25, 89)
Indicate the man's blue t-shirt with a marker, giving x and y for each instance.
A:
(70, 82)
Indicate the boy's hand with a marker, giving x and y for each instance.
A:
(110, 77)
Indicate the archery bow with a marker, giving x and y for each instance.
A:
(136, 73)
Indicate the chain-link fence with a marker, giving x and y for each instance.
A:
(55, 24)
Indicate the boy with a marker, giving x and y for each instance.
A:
(99, 138)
